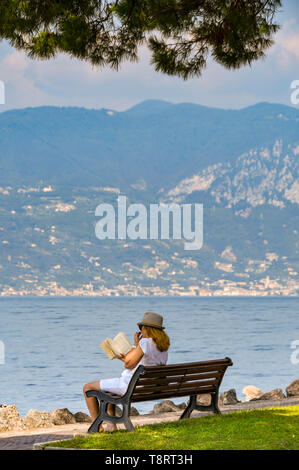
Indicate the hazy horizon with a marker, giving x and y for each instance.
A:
(109, 108)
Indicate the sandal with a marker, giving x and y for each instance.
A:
(108, 427)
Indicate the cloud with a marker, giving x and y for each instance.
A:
(286, 46)
(290, 46)
(20, 87)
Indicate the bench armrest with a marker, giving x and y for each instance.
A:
(100, 395)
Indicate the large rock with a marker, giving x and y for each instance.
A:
(10, 420)
(204, 399)
(81, 417)
(133, 411)
(276, 394)
(166, 406)
(37, 419)
(229, 397)
(182, 406)
(62, 416)
(251, 392)
(293, 389)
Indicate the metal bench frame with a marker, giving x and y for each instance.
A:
(125, 400)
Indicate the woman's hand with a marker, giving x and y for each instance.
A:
(137, 338)
(122, 357)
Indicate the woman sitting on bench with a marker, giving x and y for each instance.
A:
(151, 346)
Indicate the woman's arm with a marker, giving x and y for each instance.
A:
(132, 358)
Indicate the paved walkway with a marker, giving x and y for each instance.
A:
(24, 440)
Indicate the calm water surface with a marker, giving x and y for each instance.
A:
(52, 344)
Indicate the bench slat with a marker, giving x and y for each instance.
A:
(144, 380)
(175, 387)
(185, 371)
(225, 361)
(169, 394)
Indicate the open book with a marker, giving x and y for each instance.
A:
(116, 346)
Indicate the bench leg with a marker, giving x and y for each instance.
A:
(104, 416)
(215, 404)
(126, 417)
(190, 407)
(95, 426)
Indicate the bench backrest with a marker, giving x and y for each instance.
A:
(179, 380)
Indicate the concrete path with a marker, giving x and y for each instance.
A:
(24, 440)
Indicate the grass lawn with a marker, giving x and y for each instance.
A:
(264, 429)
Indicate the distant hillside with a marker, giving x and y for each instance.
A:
(156, 142)
(58, 164)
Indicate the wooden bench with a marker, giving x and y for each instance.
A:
(160, 382)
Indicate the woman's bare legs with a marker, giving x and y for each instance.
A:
(92, 402)
(93, 406)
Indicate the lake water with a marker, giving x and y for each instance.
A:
(52, 344)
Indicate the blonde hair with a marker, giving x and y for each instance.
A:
(160, 338)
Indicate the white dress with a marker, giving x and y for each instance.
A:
(151, 357)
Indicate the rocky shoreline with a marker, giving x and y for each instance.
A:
(10, 419)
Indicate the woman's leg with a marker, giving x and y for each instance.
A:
(111, 409)
(92, 403)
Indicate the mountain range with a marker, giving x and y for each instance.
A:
(58, 164)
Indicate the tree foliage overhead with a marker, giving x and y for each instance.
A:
(180, 33)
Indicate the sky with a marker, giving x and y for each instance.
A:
(69, 82)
